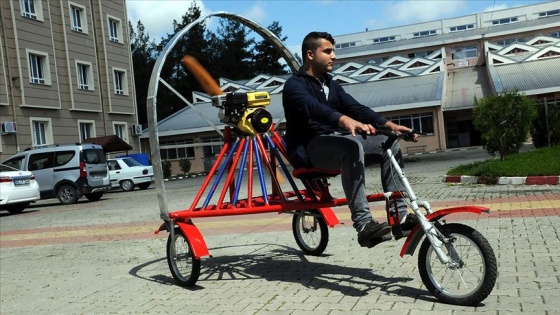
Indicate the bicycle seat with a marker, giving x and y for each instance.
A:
(313, 173)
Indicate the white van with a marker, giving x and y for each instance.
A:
(66, 172)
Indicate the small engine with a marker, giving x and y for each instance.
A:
(245, 111)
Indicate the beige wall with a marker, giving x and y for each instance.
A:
(59, 100)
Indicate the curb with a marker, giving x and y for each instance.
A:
(527, 180)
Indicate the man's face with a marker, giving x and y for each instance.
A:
(322, 59)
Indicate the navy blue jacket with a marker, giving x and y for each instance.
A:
(309, 113)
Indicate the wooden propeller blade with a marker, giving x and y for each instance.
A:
(202, 76)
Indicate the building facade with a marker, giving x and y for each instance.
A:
(66, 73)
(425, 76)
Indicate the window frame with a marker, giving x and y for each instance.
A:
(115, 33)
(82, 16)
(39, 72)
(91, 129)
(463, 50)
(123, 81)
(88, 85)
(124, 132)
(47, 130)
(33, 10)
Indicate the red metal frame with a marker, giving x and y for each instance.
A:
(315, 195)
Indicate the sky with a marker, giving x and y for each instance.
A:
(299, 17)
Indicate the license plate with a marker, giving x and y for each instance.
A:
(21, 182)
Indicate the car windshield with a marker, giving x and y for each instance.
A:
(132, 162)
(6, 168)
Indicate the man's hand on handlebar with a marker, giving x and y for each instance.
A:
(407, 133)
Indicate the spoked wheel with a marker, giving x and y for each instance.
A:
(471, 275)
(184, 267)
(311, 232)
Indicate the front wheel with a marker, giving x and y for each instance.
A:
(184, 267)
(470, 275)
(311, 232)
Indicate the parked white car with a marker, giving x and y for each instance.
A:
(17, 189)
(127, 173)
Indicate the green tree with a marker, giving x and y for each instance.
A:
(143, 60)
(503, 121)
(266, 57)
(173, 72)
(232, 51)
(545, 129)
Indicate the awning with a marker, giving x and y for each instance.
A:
(110, 143)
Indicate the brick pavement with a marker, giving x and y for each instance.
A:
(98, 258)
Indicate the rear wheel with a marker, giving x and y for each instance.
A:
(127, 185)
(67, 194)
(94, 196)
(470, 275)
(17, 208)
(144, 186)
(311, 232)
(184, 267)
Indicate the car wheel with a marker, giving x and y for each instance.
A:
(17, 208)
(127, 185)
(144, 186)
(94, 196)
(67, 194)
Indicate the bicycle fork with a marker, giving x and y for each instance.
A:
(432, 233)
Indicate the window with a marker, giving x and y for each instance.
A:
(549, 13)
(420, 122)
(78, 18)
(87, 129)
(345, 45)
(464, 52)
(212, 150)
(460, 28)
(555, 34)
(115, 32)
(32, 9)
(424, 33)
(120, 130)
(40, 161)
(41, 131)
(39, 69)
(120, 82)
(84, 75)
(504, 21)
(384, 39)
(177, 149)
(506, 42)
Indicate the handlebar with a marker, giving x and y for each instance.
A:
(386, 131)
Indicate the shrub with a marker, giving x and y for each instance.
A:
(185, 165)
(166, 168)
(504, 121)
(545, 129)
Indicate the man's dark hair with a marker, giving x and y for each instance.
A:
(311, 41)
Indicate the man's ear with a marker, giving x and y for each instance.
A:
(310, 54)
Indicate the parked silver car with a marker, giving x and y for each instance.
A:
(66, 172)
(128, 173)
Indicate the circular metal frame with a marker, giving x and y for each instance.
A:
(155, 80)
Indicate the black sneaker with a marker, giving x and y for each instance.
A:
(371, 242)
(372, 230)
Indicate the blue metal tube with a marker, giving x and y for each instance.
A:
(240, 175)
(259, 169)
(220, 174)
